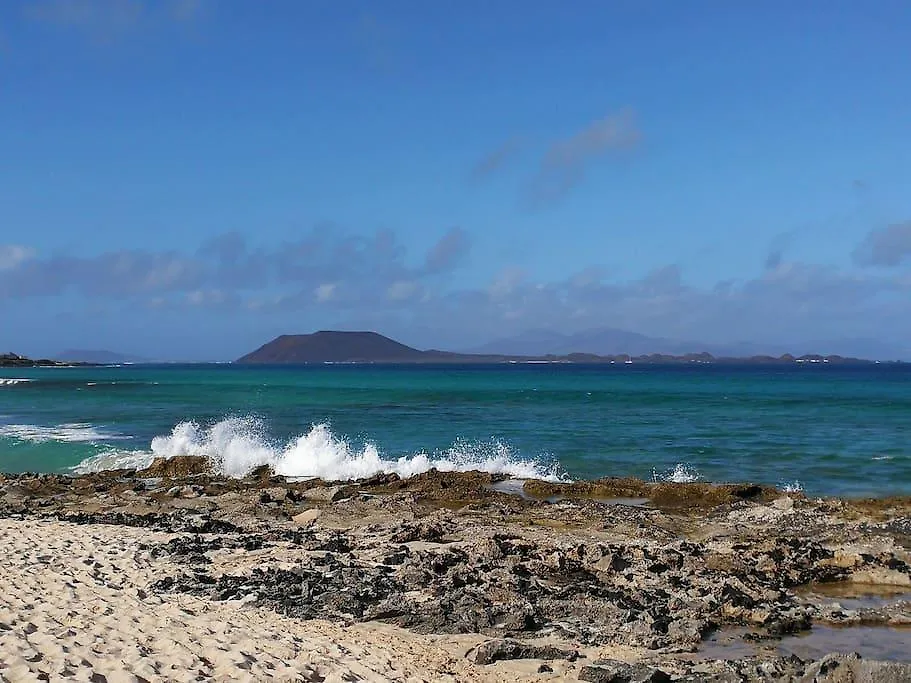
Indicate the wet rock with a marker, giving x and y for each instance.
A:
(178, 466)
(444, 486)
(503, 649)
(609, 487)
(663, 494)
(620, 672)
(851, 668)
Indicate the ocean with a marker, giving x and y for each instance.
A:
(824, 429)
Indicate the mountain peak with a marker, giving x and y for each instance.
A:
(332, 346)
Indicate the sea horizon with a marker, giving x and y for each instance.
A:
(819, 428)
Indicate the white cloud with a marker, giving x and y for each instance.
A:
(206, 297)
(325, 292)
(401, 290)
(506, 282)
(13, 255)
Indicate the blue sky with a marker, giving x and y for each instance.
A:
(188, 178)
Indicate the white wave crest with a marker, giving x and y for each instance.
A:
(73, 432)
(681, 473)
(10, 381)
(114, 460)
(237, 445)
(792, 486)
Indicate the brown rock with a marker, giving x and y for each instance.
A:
(329, 494)
(178, 466)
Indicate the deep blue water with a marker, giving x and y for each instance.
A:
(834, 429)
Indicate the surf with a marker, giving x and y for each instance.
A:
(236, 445)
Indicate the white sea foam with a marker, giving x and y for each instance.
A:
(10, 381)
(792, 486)
(114, 459)
(681, 473)
(236, 445)
(72, 432)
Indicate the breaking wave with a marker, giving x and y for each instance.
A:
(73, 432)
(237, 445)
(10, 381)
(681, 473)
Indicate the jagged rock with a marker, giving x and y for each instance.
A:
(176, 522)
(432, 531)
(611, 671)
(328, 494)
(851, 668)
(178, 466)
(502, 649)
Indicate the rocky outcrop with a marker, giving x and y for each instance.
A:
(851, 668)
(13, 360)
(444, 553)
(503, 649)
(178, 466)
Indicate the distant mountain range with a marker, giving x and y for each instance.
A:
(608, 341)
(369, 347)
(98, 356)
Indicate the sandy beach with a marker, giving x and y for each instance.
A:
(168, 576)
(73, 605)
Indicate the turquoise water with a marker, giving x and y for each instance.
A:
(827, 429)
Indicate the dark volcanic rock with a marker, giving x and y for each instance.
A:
(192, 549)
(621, 672)
(503, 649)
(442, 553)
(176, 522)
(336, 590)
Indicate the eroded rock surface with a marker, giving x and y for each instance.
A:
(446, 553)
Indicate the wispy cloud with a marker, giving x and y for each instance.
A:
(111, 19)
(376, 39)
(327, 277)
(12, 255)
(448, 252)
(324, 264)
(888, 246)
(187, 10)
(567, 161)
(498, 158)
(564, 163)
(101, 17)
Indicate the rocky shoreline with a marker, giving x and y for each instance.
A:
(13, 360)
(614, 580)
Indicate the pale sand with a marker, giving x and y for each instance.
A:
(74, 606)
